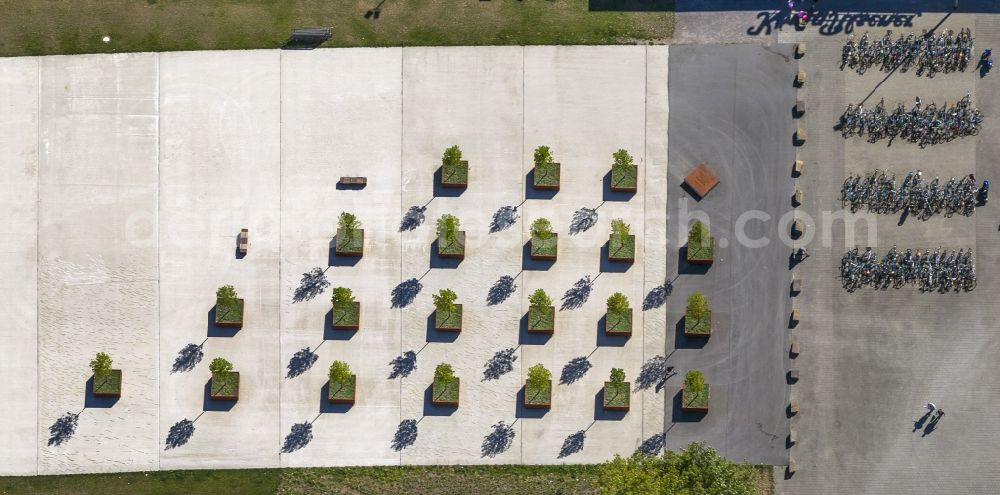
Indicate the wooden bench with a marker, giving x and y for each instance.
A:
(800, 135)
(797, 285)
(800, 108)
(800, 78)
(793, 406)
(797, 168)
(791, 465)
(793, 437)
(800, 50)
(798, 197)
(794, 348)
(701, 180)
(244, 242)
(353, 181)
(798, 227)
(793, 374)
(795, 316)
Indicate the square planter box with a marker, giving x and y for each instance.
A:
(621, 252)
(698, 328)
(618, 325)
(355, 248)
(109, 386)
(617, 398)
(546, 250)
(455, 177)
(548, 182)
(347, 318)
(230, 319)
(342, 393)
(454, 250)
(448, 322)
(542, 320)
(445, 394)
(540, 398)
(226, 389)
(625, 181)
(701, 256)
(699, 406)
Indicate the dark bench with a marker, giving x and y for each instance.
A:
(353, 181)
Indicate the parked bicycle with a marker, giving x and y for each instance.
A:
(924, 125)
(928, 54)
(879, 192)
(938, 271)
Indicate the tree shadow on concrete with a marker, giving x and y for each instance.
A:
(313, 283)
(188, 358)
(652, 445)
(180, 433)
(501, 290)
(654, 373)
(572, 444)
(404, 293)
(583, 220)
(299, 437)
(403, 365)
(657, 297)
(300, 362)
(63, 429)
(498, 440)
(577, 295)
(503, 219)
(574, 370)
(405, 436)
(413, 218)
(500, 364)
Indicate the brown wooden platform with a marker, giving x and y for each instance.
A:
(701, 180)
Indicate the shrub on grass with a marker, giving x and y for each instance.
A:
(227, 304)
(620, 230)
(348, 225)
(444, 300)
(101, 366)
(617, 303)
(697, 306)
(539, 299)
(542, 229)
(342, 297)
(617, 376)
(444, 373)
(452, 156)
(220, 368)
(538, 376)
(447, 228)
(623, 160)
(226, 295)
(694, 382)
(543, 156)
(340, 372)
(698, 236)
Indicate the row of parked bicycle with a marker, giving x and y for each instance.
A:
(881, 193)
(929, 54)
(920, 124)
(941, 271)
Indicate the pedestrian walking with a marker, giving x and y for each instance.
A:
(940, 414)
(931, 407)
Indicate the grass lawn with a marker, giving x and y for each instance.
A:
(620, 322)
(348, 315)
(538, 395)
(343, 390)
(700, 250)
(541, 318)
(617, 248)
(696, 400)
(547, 175)
(625, 176)
(448, 319)
(354, 245)
(47, 27)
(226, 385)
(616, 395)
(693, 324)
(446, 391)
(229, 312)
(455, 174)
(456, 247)
(110, 384)
(547, 247)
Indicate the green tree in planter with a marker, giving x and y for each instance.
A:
(539, 376)
(541, 229)
(623, 160)
(617, 303)
(340, 372)
(694, 382)
(444, 373)
(539, 299)
(447, 228)
(348, 225)
(220, 367)
(697, 305)
(101, 365)
(620, 230)
(226, 296)
(543, 161)
(617, 376)
(342, 297)
(444, 300)
(452, 156)
(698, 236)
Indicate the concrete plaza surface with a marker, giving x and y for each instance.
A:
(126, 179)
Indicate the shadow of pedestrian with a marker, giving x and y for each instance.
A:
(918, 424)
